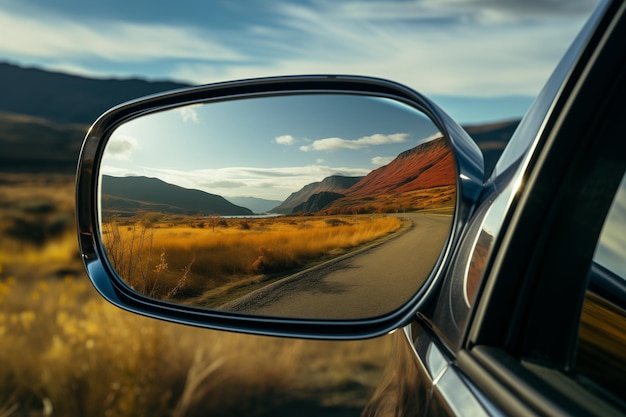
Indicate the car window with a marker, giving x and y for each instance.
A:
(601, 353)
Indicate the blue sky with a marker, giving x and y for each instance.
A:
(481, 60)
(272, 148)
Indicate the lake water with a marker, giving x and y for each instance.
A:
(251, 216)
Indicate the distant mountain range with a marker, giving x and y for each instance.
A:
(421, 177)
(257, 205)
(129, 195)
(44, 116)
(335, 184)
(491, 139)
(34, 144)
(427, 166)
(65, 98)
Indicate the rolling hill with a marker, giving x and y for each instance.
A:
(34, 144)
(67, 98)
(129, 195)
(44, 116)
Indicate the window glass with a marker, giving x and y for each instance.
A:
(611, 250)
(601, 354)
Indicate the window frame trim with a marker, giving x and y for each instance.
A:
(502, 350)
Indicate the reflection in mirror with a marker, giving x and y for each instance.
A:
(320, 206)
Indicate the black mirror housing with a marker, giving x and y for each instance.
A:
(121, 290)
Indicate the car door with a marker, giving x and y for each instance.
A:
(504, 335)
(521, 346)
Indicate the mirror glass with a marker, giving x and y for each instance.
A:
(326, 206)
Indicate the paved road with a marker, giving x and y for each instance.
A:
(367, 283)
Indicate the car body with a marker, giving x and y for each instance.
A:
(496, 329)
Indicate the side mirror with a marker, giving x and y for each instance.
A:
(322, 206)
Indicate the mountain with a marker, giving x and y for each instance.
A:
(64, 98)
(129, 194)
(493, 108)
(44, 117)
(491, 139)
(421, 177)
(317, 202)
(257, 205)
(428, 165)
(33, 144)
(335, 183)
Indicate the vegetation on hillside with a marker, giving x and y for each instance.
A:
(65, 351)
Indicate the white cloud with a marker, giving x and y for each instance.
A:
(332, 144)
(479, 51)
(434, 136)
(382, 160)
(474, 11)
(285, 140)
(121, 147)
(269, 183)
(479, 48)
(60, 38)
(188, 113)
(107, 169)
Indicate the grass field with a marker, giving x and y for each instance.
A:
(64, 351)
(185, 259)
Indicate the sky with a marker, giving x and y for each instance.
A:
(273, 147)
(481, 60)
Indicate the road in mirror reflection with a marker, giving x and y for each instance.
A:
(321, 206)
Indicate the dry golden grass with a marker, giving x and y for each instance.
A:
(64, 347)
(37, 230)
(65, 351)
(436, 198)
(172, 260)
